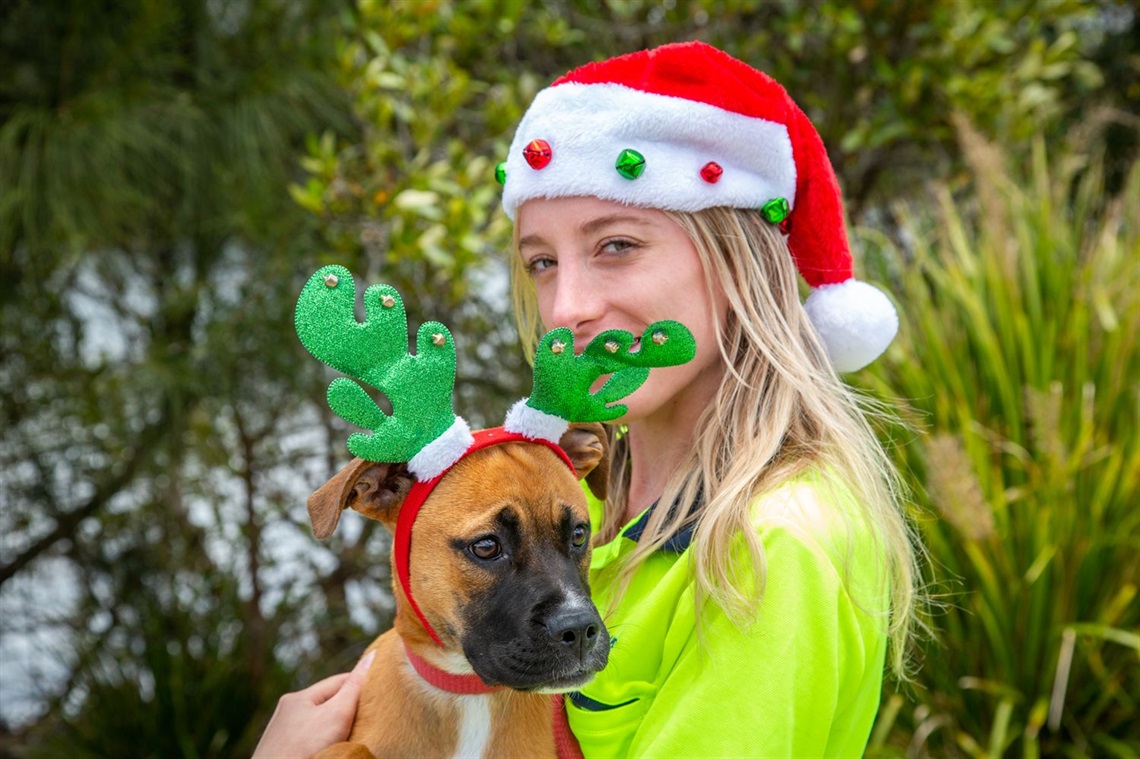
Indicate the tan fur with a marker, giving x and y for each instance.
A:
(399, 715)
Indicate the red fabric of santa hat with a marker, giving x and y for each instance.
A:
(685, 127)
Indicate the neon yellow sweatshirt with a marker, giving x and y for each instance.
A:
(802, 681)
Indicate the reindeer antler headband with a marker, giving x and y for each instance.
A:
(423, 429)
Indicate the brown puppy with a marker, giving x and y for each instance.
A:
(499, 565)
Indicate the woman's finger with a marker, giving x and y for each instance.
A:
(322, 691)
(350, 688)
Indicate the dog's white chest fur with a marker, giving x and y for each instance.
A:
(473, 712)
(474, 726)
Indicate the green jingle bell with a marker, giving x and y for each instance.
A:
(775, 210)
(630, 164)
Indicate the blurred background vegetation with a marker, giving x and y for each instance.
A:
(171, 172)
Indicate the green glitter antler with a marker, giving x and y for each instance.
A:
(376, 352)
(562, 380)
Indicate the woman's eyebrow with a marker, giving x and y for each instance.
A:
(593, 225)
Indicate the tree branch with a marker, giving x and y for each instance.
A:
(67, 523)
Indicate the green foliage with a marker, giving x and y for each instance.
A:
(1019, 351)
(143, 121)
(166, 674)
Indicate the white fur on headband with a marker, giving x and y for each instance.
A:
(588, 125)
(534, 424)
(436, 457)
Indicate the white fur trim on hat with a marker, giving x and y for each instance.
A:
(589, 125)
(855, 320)
(439, 455)
(534, 424)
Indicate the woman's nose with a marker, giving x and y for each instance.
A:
(577, 300)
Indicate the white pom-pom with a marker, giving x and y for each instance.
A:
(855, 320)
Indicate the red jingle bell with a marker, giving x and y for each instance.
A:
(538, 154)
(711, 172)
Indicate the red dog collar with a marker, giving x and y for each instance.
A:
(460, 685)
(402, 542)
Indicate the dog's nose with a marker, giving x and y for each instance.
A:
(575, 629)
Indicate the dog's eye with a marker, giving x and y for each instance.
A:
(578, 537)
(486, 549)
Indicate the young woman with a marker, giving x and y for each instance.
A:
(752, 560)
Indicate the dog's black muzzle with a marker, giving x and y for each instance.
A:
(539, 631)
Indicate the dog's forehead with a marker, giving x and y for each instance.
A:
(529, 480)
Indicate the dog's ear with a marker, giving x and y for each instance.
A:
(586, 444)
(374, 490)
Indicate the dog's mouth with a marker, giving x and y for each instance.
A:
(566, 684)
(561, 683)
(540, 670)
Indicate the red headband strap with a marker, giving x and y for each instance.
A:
(402, 543)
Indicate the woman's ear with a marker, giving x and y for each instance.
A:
(587, 444)
(375, 490)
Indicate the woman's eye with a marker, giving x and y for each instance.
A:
(617, 246)
(486, 549)
(578, 537)
(535, 265)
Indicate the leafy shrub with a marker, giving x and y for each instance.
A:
(1020, 303)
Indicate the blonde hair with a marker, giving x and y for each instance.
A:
(780, 411)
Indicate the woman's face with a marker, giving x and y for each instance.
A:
(599, 265)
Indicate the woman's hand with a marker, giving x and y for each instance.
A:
(314, 718)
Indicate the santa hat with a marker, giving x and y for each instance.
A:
(686, 127)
